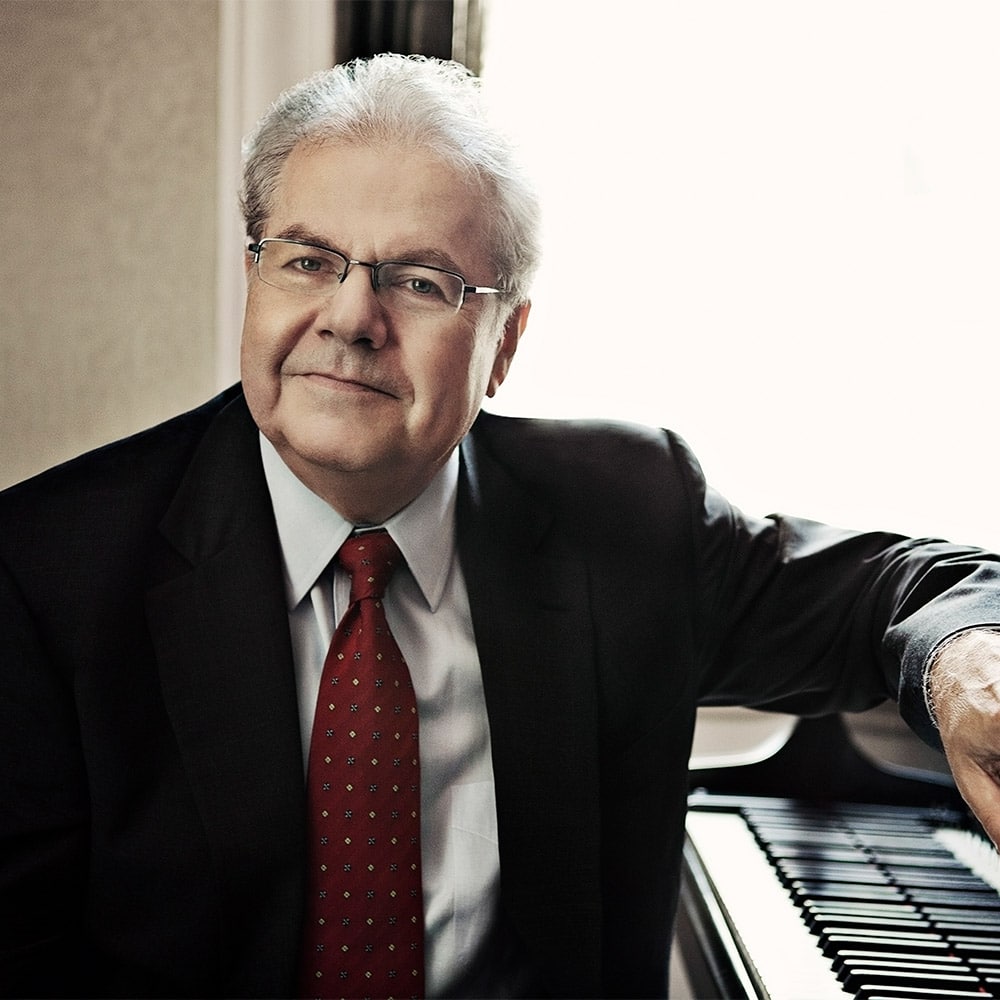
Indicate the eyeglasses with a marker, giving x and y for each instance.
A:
(294, 266)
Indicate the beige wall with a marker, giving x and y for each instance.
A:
(108, 205)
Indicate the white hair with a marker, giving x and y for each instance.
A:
(411, 101)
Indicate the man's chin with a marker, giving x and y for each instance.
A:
(331, 448)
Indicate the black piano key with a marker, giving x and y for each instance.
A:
(942, 957)
(970, 944)
(959, 878)
(899, 938)
(861, 907)
(946, 897)
(891, 820)
(947, 928)
(853, 966)
(905, 846)
(831, 890)
(833, 945)
(861, 980)
(795, 852)
(951, 866)
(914, 993)
(822, 838)
(974, 914)
(817, 921)
(861, 924)
(934, 879)
(846, 891)
(839, 875)
(897, 914)
(804, 863)
(857, 863)
(920, 841)
(917, 866)
(870, 906)
(833, 871)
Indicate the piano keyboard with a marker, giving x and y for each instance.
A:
(888, 903)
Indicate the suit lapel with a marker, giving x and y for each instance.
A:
(220, 630)
(534, 638)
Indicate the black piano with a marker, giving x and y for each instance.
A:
(829, 871)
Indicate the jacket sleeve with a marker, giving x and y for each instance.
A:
(806, 618)
(43, 813)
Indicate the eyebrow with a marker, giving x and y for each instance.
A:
(413, 255)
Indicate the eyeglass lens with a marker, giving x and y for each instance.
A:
(297, 267)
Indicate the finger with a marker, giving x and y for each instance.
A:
(980, 788)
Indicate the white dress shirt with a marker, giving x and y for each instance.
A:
(428, 611)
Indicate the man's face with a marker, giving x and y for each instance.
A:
(353, 394)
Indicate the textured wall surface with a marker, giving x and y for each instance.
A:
(108, 201)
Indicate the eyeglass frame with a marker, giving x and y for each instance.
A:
(257, 248)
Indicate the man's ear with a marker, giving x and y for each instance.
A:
(512, 330)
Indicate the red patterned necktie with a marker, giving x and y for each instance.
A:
(364, 927)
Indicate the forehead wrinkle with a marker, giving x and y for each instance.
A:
(303, 235)
(406, 253)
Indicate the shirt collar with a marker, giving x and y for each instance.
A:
(310, 531)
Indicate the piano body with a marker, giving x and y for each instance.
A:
(829, 871)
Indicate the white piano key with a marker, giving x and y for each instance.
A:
(977, 853)
(764, 921)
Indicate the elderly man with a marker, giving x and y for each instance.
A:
(475, 783)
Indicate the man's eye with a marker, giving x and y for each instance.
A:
(422, 286)
(417, 283)
(412, 286)
(310, 265)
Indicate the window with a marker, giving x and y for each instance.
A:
(799, 208)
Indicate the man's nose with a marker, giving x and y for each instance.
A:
(353, 312)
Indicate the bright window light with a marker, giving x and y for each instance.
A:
(775, 228)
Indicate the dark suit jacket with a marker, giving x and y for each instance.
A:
(151, 787)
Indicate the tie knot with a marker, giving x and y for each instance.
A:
(370, 558)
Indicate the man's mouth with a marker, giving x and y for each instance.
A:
(345, 383)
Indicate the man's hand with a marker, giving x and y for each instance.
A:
(964, 694)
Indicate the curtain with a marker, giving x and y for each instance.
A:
(448, 29)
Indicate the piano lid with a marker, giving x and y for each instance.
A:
(869, 756)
